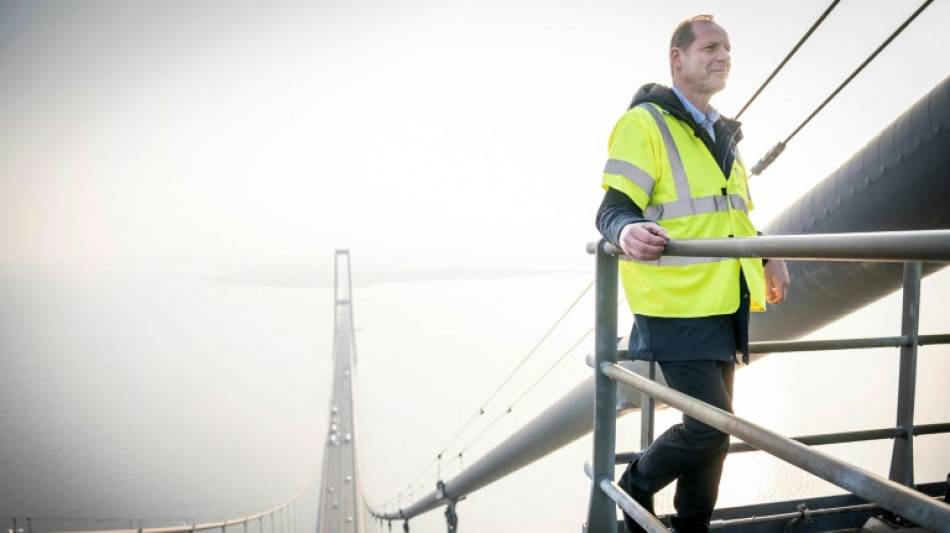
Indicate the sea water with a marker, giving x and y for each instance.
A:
(149, 398)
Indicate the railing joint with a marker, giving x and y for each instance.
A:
(804, 517)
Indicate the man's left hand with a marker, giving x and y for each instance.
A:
(776, 280)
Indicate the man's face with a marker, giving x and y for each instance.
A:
(704, 66)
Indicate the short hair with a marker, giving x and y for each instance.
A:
(683, 35)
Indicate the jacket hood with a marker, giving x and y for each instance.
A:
(661, 95)
(728, 133)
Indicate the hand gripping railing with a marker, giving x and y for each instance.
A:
(892, 246)
(887, 246)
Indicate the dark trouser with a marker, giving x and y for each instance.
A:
(692, 453)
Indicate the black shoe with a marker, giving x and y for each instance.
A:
(644, 499)
(691, 524)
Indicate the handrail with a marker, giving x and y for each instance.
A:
(867, 485)
(909, 247)
(209, 525)
(834, 344)
(556, 426)
(846, 344)
(828, 438)
(892, 246)
(651, 523)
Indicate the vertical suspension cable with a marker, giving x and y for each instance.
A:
(773, 154)
(789, 56)
(861, 67)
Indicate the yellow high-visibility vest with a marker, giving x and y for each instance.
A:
(659, 162)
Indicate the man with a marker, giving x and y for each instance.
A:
(674, 172)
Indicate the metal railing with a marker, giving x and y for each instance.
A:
(569, 418)
(894, 494)
(281, 519)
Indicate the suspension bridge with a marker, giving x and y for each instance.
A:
(877, 225)
(341, 505)
(817, 235)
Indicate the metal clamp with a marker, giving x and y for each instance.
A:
(451, 518)
(805, 517)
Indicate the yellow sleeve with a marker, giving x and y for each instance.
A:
(634, 149)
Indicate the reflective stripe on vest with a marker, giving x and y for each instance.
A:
(686, 205)
(695, 206)
(684, 287)
(676, 162)
(666, 261)
(633, 173)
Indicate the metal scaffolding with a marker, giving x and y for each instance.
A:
(895, 494)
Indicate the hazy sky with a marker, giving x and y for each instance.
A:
(250, 139)
(245, 134)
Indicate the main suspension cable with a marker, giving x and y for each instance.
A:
(481, 410)
(776, 150)
(524, 360)
(531, 387)
(523, 394)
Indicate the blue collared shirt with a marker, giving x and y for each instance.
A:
(704, 120)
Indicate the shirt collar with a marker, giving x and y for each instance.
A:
(706, 120)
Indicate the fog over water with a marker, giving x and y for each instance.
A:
(202, 400)
(175, 176)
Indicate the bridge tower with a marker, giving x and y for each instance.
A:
(341, 502)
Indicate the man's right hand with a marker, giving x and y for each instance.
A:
(643, 241)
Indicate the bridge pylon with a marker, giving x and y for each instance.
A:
(341, 507)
